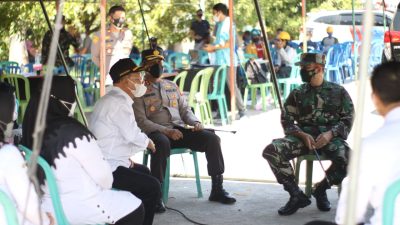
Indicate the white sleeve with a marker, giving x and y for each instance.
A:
(128, 127)
(366, 178)
(93, 162)
(22, 191)
(287, 56)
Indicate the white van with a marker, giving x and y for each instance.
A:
(342, 24)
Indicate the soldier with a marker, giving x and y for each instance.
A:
(118, 40)
(65, 41)
(162, 114)
(318, 115)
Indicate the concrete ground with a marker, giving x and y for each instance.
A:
(258, 200)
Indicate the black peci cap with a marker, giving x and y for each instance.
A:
(122, 68)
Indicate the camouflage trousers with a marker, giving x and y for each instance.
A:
(282, 150)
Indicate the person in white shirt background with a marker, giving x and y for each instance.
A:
(13, 171)
(83, 176)
(380, 152)
(113, 123)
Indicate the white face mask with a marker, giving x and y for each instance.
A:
(140, 90)
(72, 107)
(216, 18)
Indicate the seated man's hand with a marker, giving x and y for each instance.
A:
(198, 127)
(151, 146)
(323, 139)
(174, 134)
(209, 48)
(307, 139)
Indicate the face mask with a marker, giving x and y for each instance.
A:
(140, 89)
(329, 34)
(255, 40)
(156, 70)
(216, 18)
(306, 75)
(199, 15)
(8, 131)
(119, 23)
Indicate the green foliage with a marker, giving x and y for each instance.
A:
(168, 20)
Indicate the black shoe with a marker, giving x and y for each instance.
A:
(319, 193)
(160, 207)
(295, 202)
(242, 113)
(323, 203)
(221, 196)
(218, 193)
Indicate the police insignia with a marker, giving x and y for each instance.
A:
(156, 52)
(95, 39)
(152, 108)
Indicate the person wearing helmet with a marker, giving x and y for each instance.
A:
(328, 41)
(285, 55)
(256, 47)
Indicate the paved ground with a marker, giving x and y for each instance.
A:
(257, 202)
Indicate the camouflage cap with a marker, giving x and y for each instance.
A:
(308, 58)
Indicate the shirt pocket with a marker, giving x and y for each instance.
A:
(152, 105)
(172, 99)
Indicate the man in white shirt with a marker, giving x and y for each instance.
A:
(380, 153)
(113, 123)
(285, 55)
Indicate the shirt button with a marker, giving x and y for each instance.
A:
(98, 206)
(108, 217)
(103, 211)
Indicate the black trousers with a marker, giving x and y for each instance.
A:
(199, 141)
(138, 181)
(133, 218)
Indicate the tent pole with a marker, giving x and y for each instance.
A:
(303, 15)
(355, 48)
(271, 66)
(232, 63)
(103, 4)
(353, 170)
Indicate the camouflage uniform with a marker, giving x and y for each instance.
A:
(65, 40)
(313, 111)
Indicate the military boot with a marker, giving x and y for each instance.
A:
(319, 193)
(218, 193)
(297, 200)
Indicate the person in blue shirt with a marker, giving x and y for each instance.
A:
(222, 49)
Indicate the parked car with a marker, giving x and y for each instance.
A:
(392, 39)
(342, 24)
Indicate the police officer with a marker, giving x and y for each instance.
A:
(118, 40)
(318, 115)
(162, 114)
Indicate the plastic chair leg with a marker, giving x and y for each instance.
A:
(145, 157)
(245, 97)
(263, 91)
(253, 97)
(228, 120)
(222, 111)
(309, 170)
(297, 170)
(165, 185)
(196, 170)
(209, 112)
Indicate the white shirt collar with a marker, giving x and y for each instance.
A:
(393, 115)
(119, 91)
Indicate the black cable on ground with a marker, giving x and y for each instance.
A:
(184, 216)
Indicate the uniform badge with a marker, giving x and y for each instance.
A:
(95, 39)
(152, 108)
(156, 52)
(109, 50)
(174, 103)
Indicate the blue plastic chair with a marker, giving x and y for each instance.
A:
(79, 68)
(218, 93)
(332, 69)
(391, 194)
(165, 185)
(375, 57)
(13, 70)
(9, 210)
(178, 60)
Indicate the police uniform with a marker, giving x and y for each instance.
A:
(118, 46)
(163, 107)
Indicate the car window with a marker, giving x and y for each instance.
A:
(347, 19)
(333, 19)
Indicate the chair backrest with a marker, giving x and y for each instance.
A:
(205, 82)
(13, 70)
(5, 64)
(167, 67)
(79, 66)
(177, 59)
(195, 88)
(181, 77)
(52, 185)
(9, 209)
(392, 193)
(22, 93)
(219, 81)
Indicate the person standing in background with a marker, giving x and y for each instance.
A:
(200, 30)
